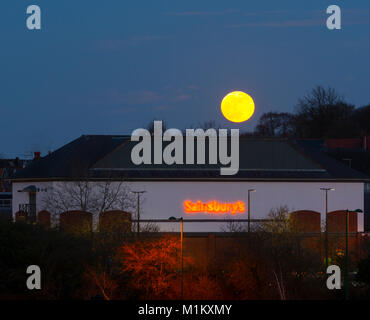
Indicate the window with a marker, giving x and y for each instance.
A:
(5, 203)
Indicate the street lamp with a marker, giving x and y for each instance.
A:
(249, 208)
(346, 280)
(326, 226)
(173, 219)
(138, 208)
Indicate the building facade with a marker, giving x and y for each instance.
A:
(282, 173)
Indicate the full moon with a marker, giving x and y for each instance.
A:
(237, 106)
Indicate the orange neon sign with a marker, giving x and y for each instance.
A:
(214, 207)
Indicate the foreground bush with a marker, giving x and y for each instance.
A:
(61, 257)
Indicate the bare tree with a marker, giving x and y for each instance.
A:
(234, 226)
(278, 221)
(290, 260)
(91, 196)
(321, 113)
(319, 96)
(103, 282)
(149, 227)
(275, 124)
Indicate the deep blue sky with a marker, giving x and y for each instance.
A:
(108, 67)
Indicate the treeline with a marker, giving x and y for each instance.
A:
(275, 261)
(322, 113)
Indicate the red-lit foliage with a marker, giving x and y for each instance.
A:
(101, 283)
(202, 287)
(154, 266)
(249, 277)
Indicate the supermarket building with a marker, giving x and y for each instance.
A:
(282, 172)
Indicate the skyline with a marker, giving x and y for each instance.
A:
(112, 69)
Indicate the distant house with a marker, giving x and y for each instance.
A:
(8, 167)
(282, 171)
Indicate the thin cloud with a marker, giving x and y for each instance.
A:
(115, 97)
(264, 13)
(202, 13)
(182, 97)
(287, 23)
(193, 87)
(137, 40)
(297, 23)
(318, 18)
(116, 44)
(355, 16)
(162, 108)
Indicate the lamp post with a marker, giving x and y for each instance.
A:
(346, 275)
(326, 227)
(249, 208)
(181, 220)
(138, 208)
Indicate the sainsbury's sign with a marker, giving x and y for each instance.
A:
(214, 207)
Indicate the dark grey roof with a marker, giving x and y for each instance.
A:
(110, 157)
(72, 160)
(360, 159)
(261, 154)
(317, 152)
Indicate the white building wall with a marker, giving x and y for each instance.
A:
(165, 199)
(23, 197)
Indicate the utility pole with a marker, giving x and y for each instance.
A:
(181, 220)
(249, 208)
(138, 208)
(182, 258)
(326, 227)
(346, 275)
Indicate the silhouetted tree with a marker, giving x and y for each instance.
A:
(275, 262)
(361, 119)
(275, 124)
(321, 112)
(62, 258)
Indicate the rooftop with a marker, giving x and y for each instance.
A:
(104, 156)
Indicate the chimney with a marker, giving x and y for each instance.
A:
(37, 155)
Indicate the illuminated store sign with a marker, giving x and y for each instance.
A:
(214, 207)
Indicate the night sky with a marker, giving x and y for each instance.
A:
(109, 67)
